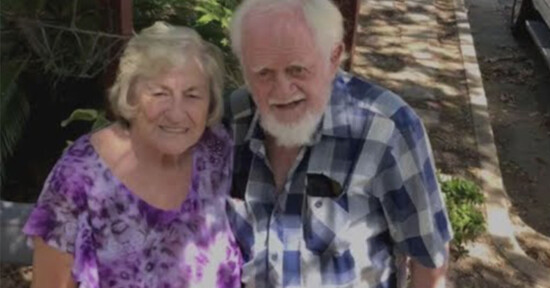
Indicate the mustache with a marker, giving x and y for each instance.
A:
(286, 100)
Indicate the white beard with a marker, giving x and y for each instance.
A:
(291, 134)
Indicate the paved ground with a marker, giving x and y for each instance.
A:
(423, 51)
(411, 47)
(517, 85)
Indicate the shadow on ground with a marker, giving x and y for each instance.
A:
(412, 48)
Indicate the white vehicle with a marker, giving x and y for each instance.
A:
(533, 16)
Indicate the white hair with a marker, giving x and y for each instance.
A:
(291, 135)
(294, 134)
(157, 49)
(322, 17)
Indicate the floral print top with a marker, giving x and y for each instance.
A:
(119, 240)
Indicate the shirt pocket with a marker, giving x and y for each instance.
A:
(324, 221)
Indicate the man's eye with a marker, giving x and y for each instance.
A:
(193, 96)
(297, 71)
(264, 73)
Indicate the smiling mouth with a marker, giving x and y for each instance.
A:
(174, 130)
(288, 105)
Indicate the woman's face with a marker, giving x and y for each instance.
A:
(172, 108)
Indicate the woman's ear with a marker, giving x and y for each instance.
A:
(134, 87)
(336, 56)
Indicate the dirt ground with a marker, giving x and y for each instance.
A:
(517, 85)
(14, 276)
(518, 89)
(412, 47)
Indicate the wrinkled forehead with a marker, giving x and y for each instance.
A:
(191, 73)
(280, 27)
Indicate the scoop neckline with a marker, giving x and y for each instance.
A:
(119, 183)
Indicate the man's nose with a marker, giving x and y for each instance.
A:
(285, 86)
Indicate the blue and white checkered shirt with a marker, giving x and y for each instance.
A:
(361, 194)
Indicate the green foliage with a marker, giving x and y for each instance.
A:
(210, 18)
(463, 200)
(215, 12)
(213, 21)
(65, 38)
(176, 12)
(27, 8)
(49, 40)
(86, 14)
(14, 110)
(56, 39)
(97, 117)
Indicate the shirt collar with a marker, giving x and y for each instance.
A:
(336, 119)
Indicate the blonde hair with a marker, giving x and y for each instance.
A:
(161, 47)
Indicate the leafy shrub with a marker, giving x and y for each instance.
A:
(14, 111)
(463, 199)
(209, 17)
(43, 42)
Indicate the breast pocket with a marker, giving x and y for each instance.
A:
(325, 216)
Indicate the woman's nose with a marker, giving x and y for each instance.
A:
(176, 111)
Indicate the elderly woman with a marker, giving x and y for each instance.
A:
(141, 202)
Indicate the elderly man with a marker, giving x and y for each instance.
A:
(334, 182)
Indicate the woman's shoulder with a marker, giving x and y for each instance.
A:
(218, 133)
(110, 141)
(81, 159)
(217, 141)
(79, 153)
(213, 161)
(73, 174)
(80, 168)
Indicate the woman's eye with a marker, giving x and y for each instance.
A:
(193, 94)
(160, 94)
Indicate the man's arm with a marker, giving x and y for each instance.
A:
(424, 277)
(417, 209)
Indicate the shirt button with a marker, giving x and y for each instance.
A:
(274, 257)
(318, 204)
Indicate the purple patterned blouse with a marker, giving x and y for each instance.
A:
(119, 240)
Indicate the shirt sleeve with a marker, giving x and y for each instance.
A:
(411, 198)
(61, 202)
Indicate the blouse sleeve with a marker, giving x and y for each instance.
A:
(61, 202)
(225, 144)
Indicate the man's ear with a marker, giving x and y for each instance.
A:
(336, 56)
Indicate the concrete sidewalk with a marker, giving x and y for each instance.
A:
(424, 51)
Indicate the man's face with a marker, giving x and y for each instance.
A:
(289, 77)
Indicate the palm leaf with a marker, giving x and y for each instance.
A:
(14, 110)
